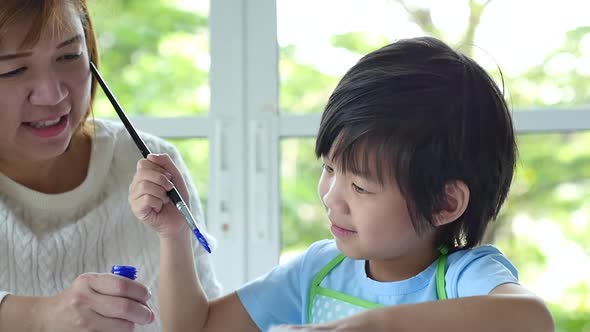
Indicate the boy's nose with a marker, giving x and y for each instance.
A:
(334, 199)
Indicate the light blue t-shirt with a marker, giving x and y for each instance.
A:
(282, 295)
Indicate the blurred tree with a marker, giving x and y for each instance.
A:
(149, 55)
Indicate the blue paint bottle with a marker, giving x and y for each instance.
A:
(125, 271)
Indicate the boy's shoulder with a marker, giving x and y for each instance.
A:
(317, 255)
(465, 257)
(326, 247)
(478, 270)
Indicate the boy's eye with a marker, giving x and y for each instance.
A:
(328, 168)
(13, 73)
(359, 189)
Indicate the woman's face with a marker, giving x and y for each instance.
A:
(44, 89)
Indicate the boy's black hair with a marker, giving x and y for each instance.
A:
(424, 115)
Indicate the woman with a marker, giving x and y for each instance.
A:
(64, 184)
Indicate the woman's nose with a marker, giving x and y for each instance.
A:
(48, 90)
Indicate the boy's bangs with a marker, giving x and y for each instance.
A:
(362, 154)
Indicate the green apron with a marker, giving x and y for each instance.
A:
(327, 305)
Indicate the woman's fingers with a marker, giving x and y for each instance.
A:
(164, 161)
(146, 187)
(145, 205)
(149, 171)
(121, 298)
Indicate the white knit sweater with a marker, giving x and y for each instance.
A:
(46, 241)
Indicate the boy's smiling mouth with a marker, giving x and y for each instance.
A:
(340, 232)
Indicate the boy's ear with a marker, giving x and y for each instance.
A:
(456, 201)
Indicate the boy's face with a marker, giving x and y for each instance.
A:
(369, 220)
(44, 88)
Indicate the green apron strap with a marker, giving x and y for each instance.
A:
(440, 278)
(318, 279)
(441, 290)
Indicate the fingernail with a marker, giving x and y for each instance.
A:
(168, 175)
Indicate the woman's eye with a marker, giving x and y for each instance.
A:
(359, 189)
(328, 168)
(71, 57)
(13, 73)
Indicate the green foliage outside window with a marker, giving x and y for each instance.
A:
(149, 57)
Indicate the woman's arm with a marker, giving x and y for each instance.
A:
(201, 258)
(183, 303)
(19, 313)
(94, 302)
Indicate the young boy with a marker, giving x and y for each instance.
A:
(419, 152)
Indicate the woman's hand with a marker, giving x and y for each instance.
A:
(149, 202)
(96, 302)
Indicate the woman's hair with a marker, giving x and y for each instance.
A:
(418, 113)
(48, 13)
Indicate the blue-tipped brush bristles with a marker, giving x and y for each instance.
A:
(202, 240)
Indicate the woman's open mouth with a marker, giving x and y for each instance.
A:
(48, 128)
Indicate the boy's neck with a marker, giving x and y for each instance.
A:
(401, 268)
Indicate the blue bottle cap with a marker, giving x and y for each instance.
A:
(125, 271)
